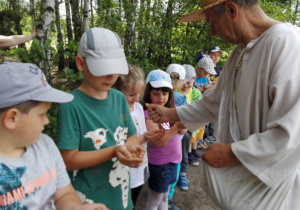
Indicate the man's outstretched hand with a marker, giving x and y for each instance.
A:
(160, 114)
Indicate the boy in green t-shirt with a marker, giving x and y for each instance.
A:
(96, 132)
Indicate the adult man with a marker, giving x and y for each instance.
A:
(256, 101)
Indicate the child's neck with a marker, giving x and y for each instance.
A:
(10, 151)
(92, 92)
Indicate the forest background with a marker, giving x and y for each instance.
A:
(151, 36)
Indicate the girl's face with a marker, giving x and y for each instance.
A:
(188, 85)
(133, 93)
(159, 97)
(215, 56)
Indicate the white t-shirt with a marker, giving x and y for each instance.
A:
(139, 176)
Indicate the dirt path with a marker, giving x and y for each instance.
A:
(193, 199)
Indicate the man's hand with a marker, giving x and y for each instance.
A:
(161, 114)
(219, 155)
(131, 155)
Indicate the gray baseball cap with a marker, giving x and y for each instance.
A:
(190, 72)
(21, 82)
(207, 64)
(103, 52)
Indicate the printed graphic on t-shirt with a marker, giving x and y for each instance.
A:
(13, 191)
(119, 174)
(98, 137)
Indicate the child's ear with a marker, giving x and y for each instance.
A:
(80, 62)
(10, 117)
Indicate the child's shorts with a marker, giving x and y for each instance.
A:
(161, 176)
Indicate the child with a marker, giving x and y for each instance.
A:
(177, 74)
(164, 155)
(93, 127)
(191, 94)
(33, 174)
(205, 67)
(215, 54)
(132, 85)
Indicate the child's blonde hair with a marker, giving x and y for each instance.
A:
(135, 74)
(176, 82)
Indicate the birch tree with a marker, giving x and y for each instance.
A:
(60, 46)
(86, 15)
(43, 33)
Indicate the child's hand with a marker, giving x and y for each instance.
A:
(130, 155)
(95, 206)
(154, 135)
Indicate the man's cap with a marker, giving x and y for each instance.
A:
(103, 52)
(199, 14)
(177, 69)
(207, 64)
(158, 79)
(190, 72)
(215, 49)
(21, 82)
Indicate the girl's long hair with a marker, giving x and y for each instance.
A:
(146, 98)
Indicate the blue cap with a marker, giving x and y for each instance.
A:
(214, 49)
(159, 79)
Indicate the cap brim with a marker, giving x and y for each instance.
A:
(103, 67)
(160, 84)
(199, 14)
(211, 71)
(55, 96)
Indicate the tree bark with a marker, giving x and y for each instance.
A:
(76, 19)
(60, 48)
(86, 15)
(43, 33)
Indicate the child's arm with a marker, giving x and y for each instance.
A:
(67, 199)
(75, 159)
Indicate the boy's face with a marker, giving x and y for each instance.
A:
(100, 84)
(29, 126)
(215, 56)
(188, 85)
(200, 72)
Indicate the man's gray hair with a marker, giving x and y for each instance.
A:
(220, 8)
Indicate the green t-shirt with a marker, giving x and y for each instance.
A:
(90, 124)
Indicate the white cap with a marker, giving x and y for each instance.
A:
(207, 64)
(190, 72)
(158, 79)
(103, 52)
(177, 69)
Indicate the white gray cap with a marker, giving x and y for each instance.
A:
(21, 82)
(177, 68)
(103, 52)
(190, 72)
(158, 79)
(207, 64)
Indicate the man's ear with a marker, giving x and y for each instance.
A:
(10, 117)
(232, 8)
(80, 62)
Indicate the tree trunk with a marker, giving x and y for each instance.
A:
(86, 15)
(92, 14)
(165, 46)
(32, 13)
(68, 21)
(76, 19)
(43, 33)
(60, 48)
(129, 38)
(100, 13)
